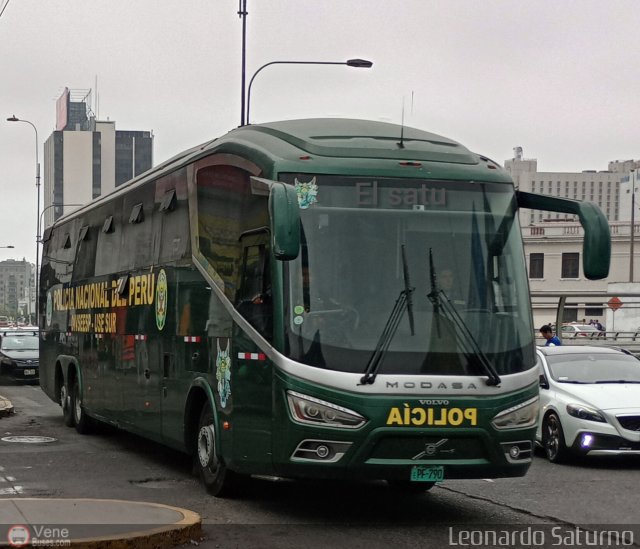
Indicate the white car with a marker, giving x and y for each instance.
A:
(580, 330)
(589, 401)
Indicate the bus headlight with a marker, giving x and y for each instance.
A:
(518, 417)
(313, 411)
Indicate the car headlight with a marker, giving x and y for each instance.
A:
(585, 412)
(313, 411)
(518, 417)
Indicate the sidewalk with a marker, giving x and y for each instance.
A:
(6, 408)
(95, 523)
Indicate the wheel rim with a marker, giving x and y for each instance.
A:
(64, 398)
(78, 406)
(553, 438)
(206, 448)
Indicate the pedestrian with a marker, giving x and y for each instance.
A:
(547, 333)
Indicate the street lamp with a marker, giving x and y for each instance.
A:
(15, 119)
(357, 63)
(53, 206)
(632, 180)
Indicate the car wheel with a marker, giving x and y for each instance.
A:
(408, 487)
(218, 480)
(80, 418)
(553, 439)
(65, 402)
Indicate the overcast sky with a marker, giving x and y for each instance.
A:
(559, 78)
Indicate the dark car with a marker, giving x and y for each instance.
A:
(19, 355)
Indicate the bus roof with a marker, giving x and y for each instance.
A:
(355, 146)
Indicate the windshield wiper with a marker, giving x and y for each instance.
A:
(616, 381)
(403, 302)
(470, 346)
(572, 381)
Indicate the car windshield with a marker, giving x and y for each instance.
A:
(594, 367)
(369, 244)
(20, 343)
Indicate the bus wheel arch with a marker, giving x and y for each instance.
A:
(203, 443)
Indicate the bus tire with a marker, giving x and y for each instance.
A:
(408, 487)
(215, 476)
(81, 420)
(67, 409)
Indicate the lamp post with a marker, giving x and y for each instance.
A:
(632, 180)
(357, 63)
(41, 220)
(15, 119)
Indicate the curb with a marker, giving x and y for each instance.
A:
(97, 524)
(6, 408)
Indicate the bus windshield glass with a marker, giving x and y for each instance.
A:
(425, 271)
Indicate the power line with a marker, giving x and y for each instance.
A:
(4, 7)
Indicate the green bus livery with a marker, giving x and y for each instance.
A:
(318, 299)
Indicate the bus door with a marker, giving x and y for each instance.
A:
(139, 372)
(251, 374)
(184, 356)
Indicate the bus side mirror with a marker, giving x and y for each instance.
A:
(596, 249)
(285, 221)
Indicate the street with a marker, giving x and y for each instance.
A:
(597, 493)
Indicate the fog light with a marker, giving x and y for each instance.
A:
(322, 451)
(514, 452)
(586, 440)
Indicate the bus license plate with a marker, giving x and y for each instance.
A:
(29, 372)
(427, 473)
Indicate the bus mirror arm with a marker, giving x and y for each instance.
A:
(596, 251)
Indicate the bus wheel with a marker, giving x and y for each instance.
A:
(80, 418)
(218, 480)
(408, 487)
(65, 402)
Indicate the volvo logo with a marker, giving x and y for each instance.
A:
(432, 448)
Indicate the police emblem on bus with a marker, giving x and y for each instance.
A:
(223, 373)
(307, 193)
(161, 299)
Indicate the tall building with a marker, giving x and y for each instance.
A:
(85, 158)
(17, 290)
(599, 187)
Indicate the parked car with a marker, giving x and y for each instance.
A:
(589, 401)
(579, 330)
(19, 355)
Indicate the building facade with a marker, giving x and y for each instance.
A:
(17, 289)
(85, 158)
(599, 187)
(553, 241)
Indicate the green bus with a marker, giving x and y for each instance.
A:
(318, 299)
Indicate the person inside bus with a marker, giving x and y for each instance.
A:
(446, 282)
(547, 333)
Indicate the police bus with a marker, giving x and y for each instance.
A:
(322, 298)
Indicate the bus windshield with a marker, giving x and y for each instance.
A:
(449, 251)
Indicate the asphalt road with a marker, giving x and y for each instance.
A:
(550, 502)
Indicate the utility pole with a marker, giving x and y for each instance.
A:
(242, 12)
